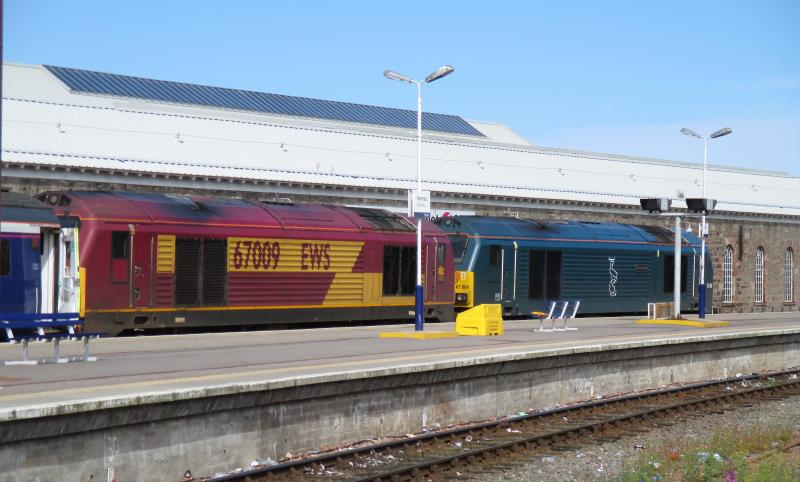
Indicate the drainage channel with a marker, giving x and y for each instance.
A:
(453, 453)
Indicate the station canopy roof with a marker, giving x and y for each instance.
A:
(63, 117)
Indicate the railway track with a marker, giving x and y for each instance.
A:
(448, 454)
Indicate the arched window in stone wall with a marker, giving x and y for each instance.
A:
(788, 284)
(727, 275)
(758, 286)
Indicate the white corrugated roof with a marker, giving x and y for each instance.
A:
(44, 123)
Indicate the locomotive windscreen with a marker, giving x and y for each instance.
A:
(459, 244)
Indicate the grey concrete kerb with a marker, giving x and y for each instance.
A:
(182, 394)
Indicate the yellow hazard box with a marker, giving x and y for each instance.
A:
(483, 320)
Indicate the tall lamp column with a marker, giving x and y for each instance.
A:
(703, 226)
(419, 297)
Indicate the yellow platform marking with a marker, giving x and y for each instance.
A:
(696, 324)
(418, 335)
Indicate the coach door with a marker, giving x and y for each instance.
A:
(141, 267)
(68, 282)
(49, 271)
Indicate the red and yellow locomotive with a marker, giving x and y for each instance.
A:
(149, 261)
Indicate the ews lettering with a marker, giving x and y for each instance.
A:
(315, 256)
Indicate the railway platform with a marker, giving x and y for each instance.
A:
(213, 402)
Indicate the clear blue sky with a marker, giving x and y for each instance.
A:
(613, 76)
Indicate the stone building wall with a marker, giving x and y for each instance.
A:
(744, 236)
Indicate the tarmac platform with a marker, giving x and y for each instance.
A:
(213, 402)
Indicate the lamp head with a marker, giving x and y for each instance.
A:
(722, 132)
(440, 72)
(690, 132)
(391, 74)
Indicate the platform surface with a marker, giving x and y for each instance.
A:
(152, 368)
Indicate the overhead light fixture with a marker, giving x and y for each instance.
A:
(722, 132)
(656, 205)
(391, 74)
(700, 205)
(443, 71)
(690, 132)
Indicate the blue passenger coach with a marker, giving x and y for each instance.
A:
(610, 267)
(27, 227)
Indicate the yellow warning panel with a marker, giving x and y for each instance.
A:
(483, 320)
(696, 324)
(418, 335)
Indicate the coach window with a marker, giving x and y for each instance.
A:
(399, 270)
(669, 272)
(5, 258)
(120, 247)
(544, 275)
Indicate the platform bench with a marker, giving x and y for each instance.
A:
(558, 310)
(23, 328)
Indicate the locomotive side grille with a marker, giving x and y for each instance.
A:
(187, 272)
(215, 271)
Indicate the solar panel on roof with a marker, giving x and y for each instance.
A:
(124, 86)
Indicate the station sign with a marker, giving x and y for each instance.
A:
(420, 203)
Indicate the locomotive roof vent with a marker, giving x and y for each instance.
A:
(536, 224)
(383, 220)
(185, 201)
(278, 200)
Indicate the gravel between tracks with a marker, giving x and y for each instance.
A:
(605, 461)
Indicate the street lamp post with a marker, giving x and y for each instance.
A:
(419, 304)
(703, 227)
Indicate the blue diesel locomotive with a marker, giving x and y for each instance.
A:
(612, 268)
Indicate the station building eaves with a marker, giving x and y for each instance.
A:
(48, 127)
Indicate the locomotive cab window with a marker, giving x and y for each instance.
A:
(495, 263)
(120, 243)
(399, 270)
(120, 249)
(5, 258)
(495, 253)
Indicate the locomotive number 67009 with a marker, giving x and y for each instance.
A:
(256, 254)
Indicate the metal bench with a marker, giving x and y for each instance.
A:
(37, 327)
(558, 310)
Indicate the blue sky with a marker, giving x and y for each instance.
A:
(616, 76)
